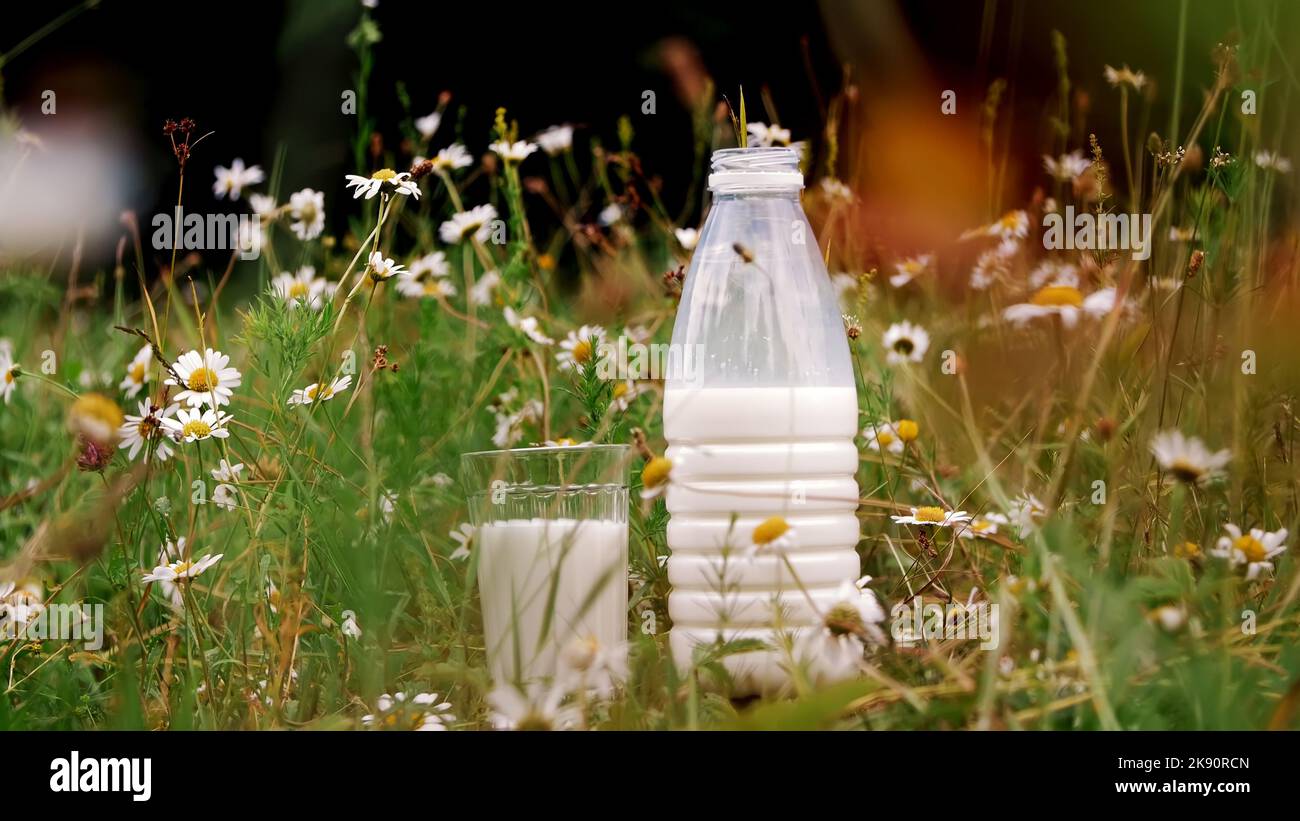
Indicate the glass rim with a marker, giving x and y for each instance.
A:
(547, 449)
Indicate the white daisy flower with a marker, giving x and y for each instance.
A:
(316, 392)
(307, 210)
(510, 425)
(528, 326)
(910, 268)
(624, 392)
(303, 288)
(20, 606)
(1254, 549)
(836, 191)
(931, 516)
(207, 378)
(225, 497)
(773, 535)
(1125, 76)
(579, 347)
(1011, 225)
(1186, 458)
(181, 569)
(424, 277)
(588, 664)
(905, 342)
(834, 651)
(349, 626)
(1272, 161)
(463, 536)
(427, 288)
(655, 477)
(883, 437)
(421, 712)
(538, 707)
(1067, 166)
(441, 480)
(433, 264)
(146, 427)
(428, 125)
(137, 373)
(688, 238)
(263, 205)
(474, 223)
(452, 157)
(513, 152)
(8, 373)
(232, 181)
(481, 293)
(556, 140)
(1064, 301)
(381, 268)
(983, 526)
(1026, 512)
(195, 425)
(993, 264)
(1170, 618)
(399, 182)
(226, 472)
(1054, 272)
(762, 135)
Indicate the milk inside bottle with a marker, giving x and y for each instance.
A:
(761, 427)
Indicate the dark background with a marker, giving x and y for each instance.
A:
(266, 76)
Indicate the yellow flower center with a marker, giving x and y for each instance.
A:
(656, 471)
(929, 514)
(908, 430)
(201, 379)
(197, 428)
(844, 619)
(981, 525)
(9, 376)
(533, 721)
(582, 351)
(1251, 548)
(384, 174)
(546, 262)
(1058, 295)
(1186, 471)
(1009, 220)
(136, 372)
(181, 568)
(298, 289)
(884, 438)
(1187, 550)
(147, 427)
(770, 530)
(97, 408)
(620, 389)
(912, 266)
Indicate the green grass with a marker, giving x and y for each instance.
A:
(343, 506)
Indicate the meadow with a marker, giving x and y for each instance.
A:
(253, 466)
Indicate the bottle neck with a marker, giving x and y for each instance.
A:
(755, 172)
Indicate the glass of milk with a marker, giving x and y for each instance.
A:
(552, 554)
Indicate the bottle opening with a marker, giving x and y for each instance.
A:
(755, 169)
